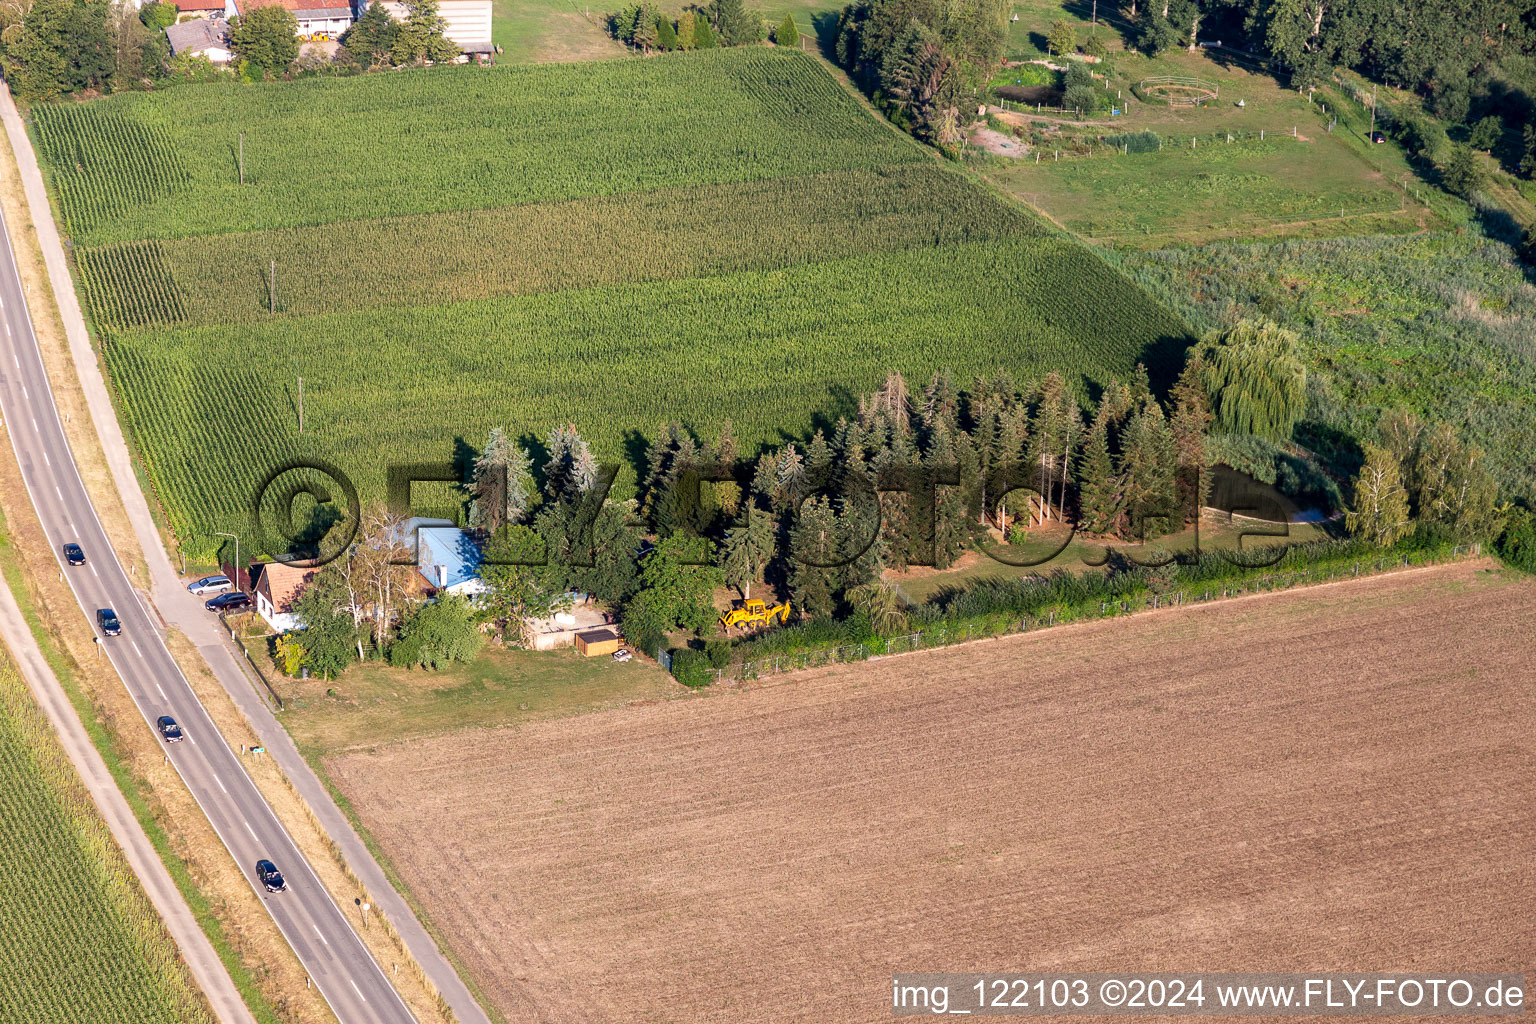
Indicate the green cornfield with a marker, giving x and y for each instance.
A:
(82, 942)
(326, 150)
(707, 237)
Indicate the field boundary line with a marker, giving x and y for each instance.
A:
(740, 682)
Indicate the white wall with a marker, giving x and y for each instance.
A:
(469, 21)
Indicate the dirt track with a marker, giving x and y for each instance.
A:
(1335, 779)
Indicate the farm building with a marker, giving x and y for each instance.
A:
(186, 9)
(278, 587)
(201, 37)
(469, 21)
(313, 17)
(449, 560)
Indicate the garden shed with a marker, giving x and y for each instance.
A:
(594, 643)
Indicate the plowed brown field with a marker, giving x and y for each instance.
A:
(1339, 778)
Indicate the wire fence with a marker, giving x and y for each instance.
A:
(946, 635)
(1080, 147)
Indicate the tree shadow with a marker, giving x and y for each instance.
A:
(824, 24)
(1164, 360)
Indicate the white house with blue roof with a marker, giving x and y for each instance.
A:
(449, 560)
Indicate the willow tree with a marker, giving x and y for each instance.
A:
(1255, 379)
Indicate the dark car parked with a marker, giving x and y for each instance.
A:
(106, 618)
(169, 729)
(224, 602)
(270, 876)
(73, 554)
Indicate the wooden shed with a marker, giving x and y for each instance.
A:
(595, 643)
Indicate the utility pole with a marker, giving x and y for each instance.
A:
(301, 405)
(242, 152)
(1372, 137)
(1095, 14)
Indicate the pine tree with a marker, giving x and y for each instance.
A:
(749, 547)
(645, 29)
(571, 469)
(815, 548)
(941, 404)
(1148, 464)
(685, 30)
(765, 479)
(818, 455)
(1380, 512)
(501, 485)
(703, 34)
(787, 34)
(1190, 419)
(1098, 487)
(735, 24)
(666, 36)
(789, 482)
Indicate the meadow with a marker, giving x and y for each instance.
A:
(580, 262)
(82, 942)
(1439, 324)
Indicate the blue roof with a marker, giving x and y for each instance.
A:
(448, 546)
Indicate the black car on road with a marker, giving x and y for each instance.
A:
(106, 618)
(169, 729)
(73, 554)
(225, 602)
(270, 876)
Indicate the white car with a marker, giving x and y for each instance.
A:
(210, 585)
(623, 654)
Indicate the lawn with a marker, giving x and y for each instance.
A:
(374, 704)
(739, 241)
(82, 941)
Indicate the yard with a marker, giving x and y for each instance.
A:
(1109, 794)
(374, 704)
(1318, 183)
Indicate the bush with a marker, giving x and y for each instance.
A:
(1081, 97)
(1517, 543)
(718, 650)
(438, 634)
(692, 668)
(1485, 134)
(1078, 74)
(645, 623)
(1095, 47)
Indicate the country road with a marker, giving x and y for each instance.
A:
(335, 957)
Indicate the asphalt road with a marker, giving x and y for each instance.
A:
(314, 926)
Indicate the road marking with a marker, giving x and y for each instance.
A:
(94, 572)
(162, 691)
(46, 459)
(358, 991)
(221, 785)
(251, 831)
(322, 937)
(140, 653)
(34, 427)
(24, 393)
(59, 493)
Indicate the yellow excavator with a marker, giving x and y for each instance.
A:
(755, 612)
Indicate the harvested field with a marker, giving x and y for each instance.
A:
(1339, 778)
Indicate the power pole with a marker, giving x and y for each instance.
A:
(1372, 137)
(1095, 13)
(242, 151)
